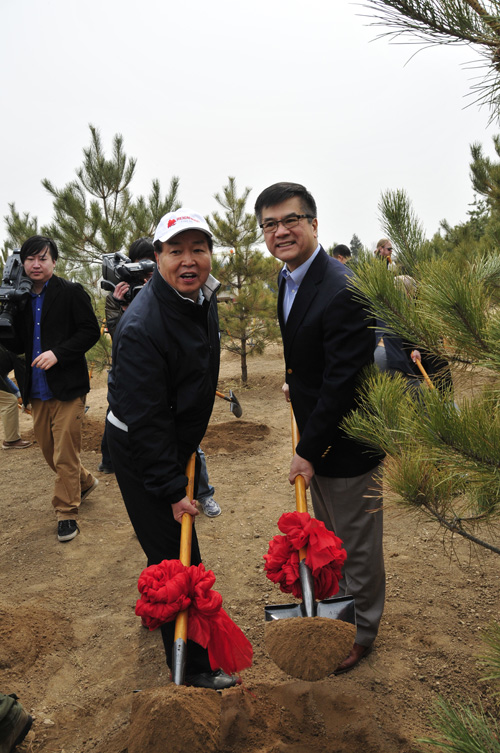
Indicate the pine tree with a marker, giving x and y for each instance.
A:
(96, 214)
(443, 462)
(18, 229)
(247, 310)
(356, 246)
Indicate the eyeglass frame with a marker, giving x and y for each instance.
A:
(292, 217)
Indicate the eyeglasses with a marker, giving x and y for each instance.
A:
(270, 226)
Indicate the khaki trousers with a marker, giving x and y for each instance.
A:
(346, 505)
(58, 431)
(10, 416)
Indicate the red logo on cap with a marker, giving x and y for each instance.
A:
(171, 222)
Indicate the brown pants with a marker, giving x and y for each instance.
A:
(10, 416)
(58, 431)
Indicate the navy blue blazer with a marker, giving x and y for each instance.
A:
(328, 339)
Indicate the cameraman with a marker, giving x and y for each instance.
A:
(55, 329)
(116, 302)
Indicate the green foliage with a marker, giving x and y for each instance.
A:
(405, 230)
(95, 214)
(491, 658)
(18, 229)
(355, 246)
(247, 309)
(443, 462)
(464, 728)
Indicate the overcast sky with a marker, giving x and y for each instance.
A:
(263, 91)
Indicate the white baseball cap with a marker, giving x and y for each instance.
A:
(176, 222)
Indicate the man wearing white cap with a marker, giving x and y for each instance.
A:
(161, 392)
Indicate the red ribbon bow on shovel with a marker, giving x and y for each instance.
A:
(325, 556)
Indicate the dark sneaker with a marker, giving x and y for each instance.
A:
(88, 491)
(216, 680)
(210, 507)
(102, 468)
(67, 530)
(17, 727)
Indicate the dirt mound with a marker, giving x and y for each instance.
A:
(309, 648)
(300, 717)
(27, 633)
(294, 717)
(234, 436)
(175, 719)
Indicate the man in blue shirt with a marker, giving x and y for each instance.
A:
(55, 329)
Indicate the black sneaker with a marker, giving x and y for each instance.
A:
(102, 468)
(67, 530)
(216, 680)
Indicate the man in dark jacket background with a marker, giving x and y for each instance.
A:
(327, 340)
(55, 330)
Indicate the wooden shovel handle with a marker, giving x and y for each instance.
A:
(185, 546)
(300, 484)
(424, 374)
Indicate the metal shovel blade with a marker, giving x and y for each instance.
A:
(336, 608)
(235, 406)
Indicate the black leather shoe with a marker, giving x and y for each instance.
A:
(216, 680)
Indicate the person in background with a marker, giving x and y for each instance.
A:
(55, 330)
(9, 405)
(342, 253)
(328, 338)
(384, 250)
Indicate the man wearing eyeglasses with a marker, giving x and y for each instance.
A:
(328, 339)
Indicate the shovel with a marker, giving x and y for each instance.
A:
(336, 608)
(235, 407)
(181, 621)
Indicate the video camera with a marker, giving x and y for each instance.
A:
(14, 292)
(118, 268)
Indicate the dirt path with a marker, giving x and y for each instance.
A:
(72, 648)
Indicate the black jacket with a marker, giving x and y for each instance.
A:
(69, 328)
(163, 379)
(327, 340)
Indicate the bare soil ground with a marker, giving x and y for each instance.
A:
(73, 650)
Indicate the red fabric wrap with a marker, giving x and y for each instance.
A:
(324, 558)
(169, 588)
